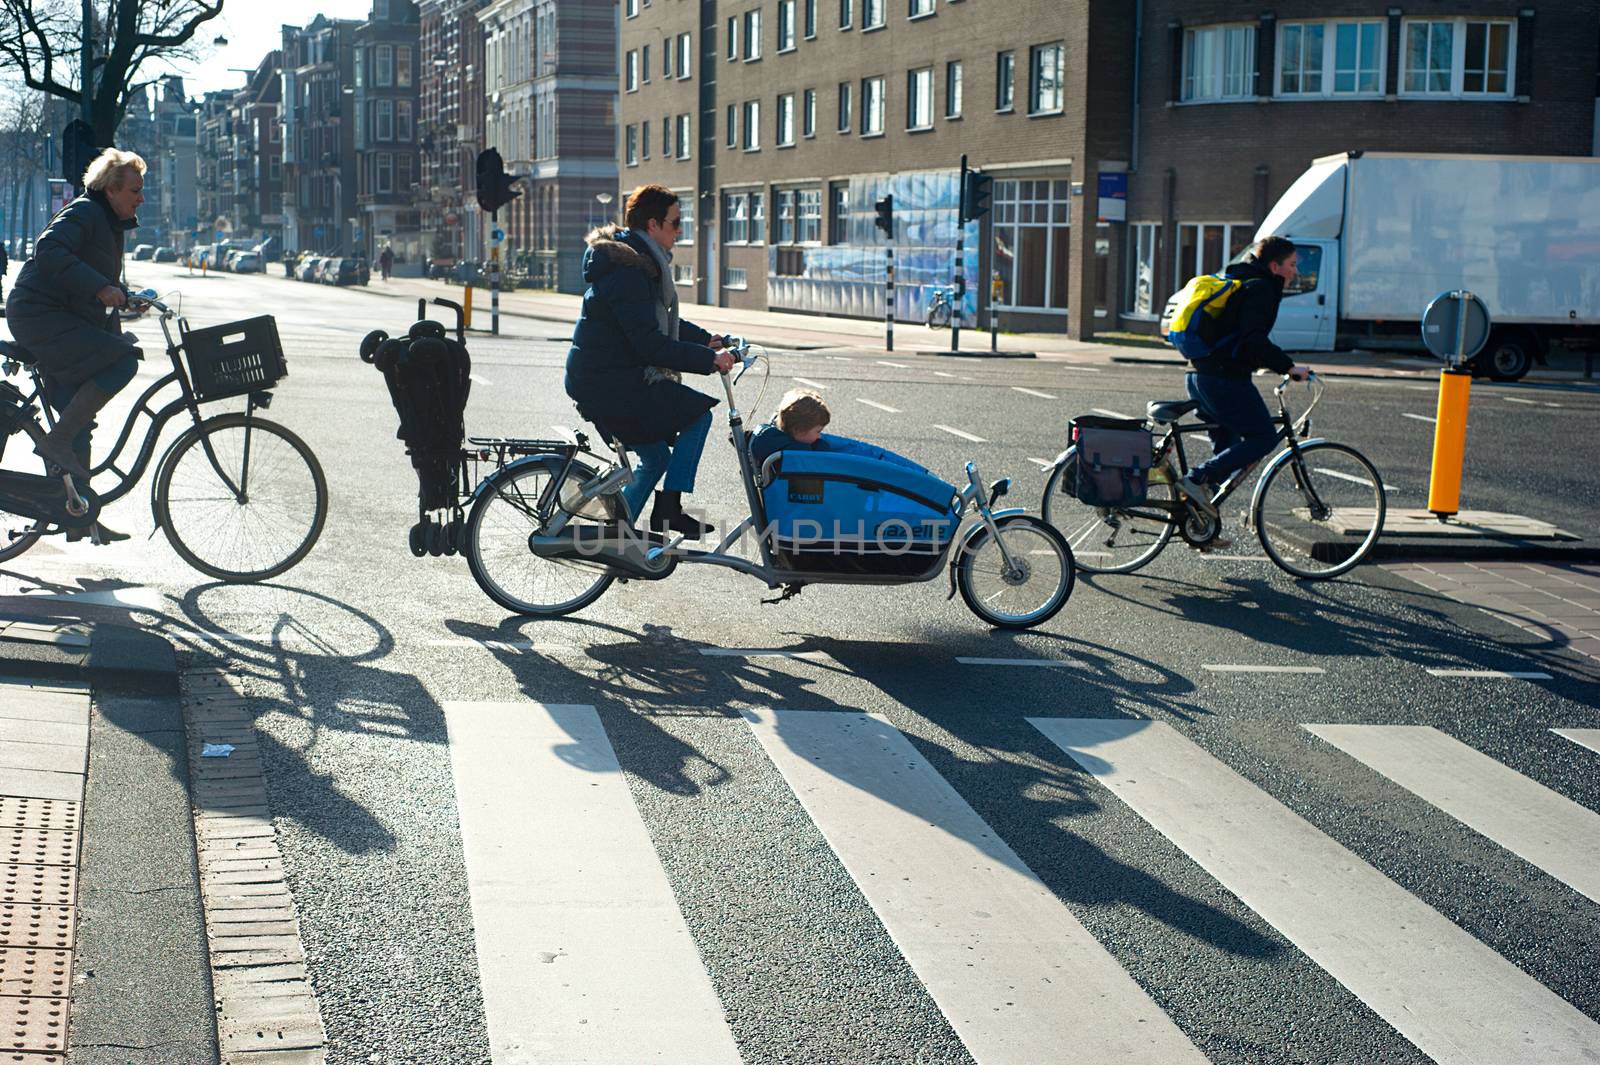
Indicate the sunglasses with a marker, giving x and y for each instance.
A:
(675, 223)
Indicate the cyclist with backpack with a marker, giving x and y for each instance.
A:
(1229, 343)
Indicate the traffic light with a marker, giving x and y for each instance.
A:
(977, 195)
(885, 219)
(495, 186)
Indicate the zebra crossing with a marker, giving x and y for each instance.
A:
(584, 955)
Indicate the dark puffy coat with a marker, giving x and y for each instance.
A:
(53, 310)
(1253, 313)
(618, 336)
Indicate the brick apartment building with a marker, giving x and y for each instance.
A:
(385, 108)
(550, 77)
(256, 152)
(451, 130)
(1132, 142)
(319, 168)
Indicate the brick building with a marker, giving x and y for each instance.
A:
(256, 152)
(385, 108)
(319, 161)
(451, 127)
(550, 70)
(214, 185)
(1121, 134)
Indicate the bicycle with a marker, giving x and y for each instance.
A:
(1318, 506)
(942, 307)
(240, 498)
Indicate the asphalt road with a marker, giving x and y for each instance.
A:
(356, 657)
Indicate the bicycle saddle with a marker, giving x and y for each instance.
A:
(10, 349)
(1168, 411)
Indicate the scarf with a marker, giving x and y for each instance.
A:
(667, 299)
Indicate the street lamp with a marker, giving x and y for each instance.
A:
(605, 199)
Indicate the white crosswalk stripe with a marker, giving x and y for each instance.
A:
(1544, 828)
(1583, 737)
(1008, 964)
(1451, 995)
(565, 884)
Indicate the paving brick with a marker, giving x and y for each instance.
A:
(21, 812)
(38, 885)
(42, 758)
(33, 1024)
(35, 972)
(43, 927)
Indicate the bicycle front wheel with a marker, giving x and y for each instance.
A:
(939, 316)
(252, 513)
(1320, 510)
(1105, 539)
(1029, 591)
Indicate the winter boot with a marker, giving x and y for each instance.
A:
(667, 514)
(56, 447)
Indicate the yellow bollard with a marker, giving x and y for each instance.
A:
(1449, 443)
(466, 310)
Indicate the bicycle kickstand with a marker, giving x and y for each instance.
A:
(789, 592)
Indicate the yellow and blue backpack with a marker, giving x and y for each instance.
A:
(1196, 328)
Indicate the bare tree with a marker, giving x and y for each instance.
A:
(41, 39)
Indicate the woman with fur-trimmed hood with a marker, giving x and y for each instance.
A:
(628, 348)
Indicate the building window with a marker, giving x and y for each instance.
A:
(758, 217)
(752, 34)
(785, 25)
(808, 213)
(383, 126)
(631, 8)
(631, 140)
(871, 14)
(919, 98)
(383, 67)
(685, 56)
(402, 66)
(402, 115)
(1005, 81)
(736, 218)
(785, 128)
(1140, 289)
(644, 133)
(920, 8)
(683, 137)
(1219, 63)
(847, 9)
(811, 19)
(682, 273)
(1458, 57)
(1352, 51)
(630, 77)
(871, 106)
(752, 125)
(686, 215)
(808, 114)
(1046, 74)
(385, 172)
(844, 107)
(735, 277)
(733, 38)
(731, 123)
(783, 217)
(1031, 243)
(839, 220)
(644, 64)
(1206, 247)
(952, 89)
(666, 57)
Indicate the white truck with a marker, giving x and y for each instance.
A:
(1380, 234)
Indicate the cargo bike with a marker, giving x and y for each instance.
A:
(546, 532)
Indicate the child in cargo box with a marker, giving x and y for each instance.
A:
(798, 425)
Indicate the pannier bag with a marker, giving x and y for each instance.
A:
(1196, 329)
(1114, 456)
(427, 372)
(835, 513)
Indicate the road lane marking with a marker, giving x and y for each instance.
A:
(478, 378)
(962, 434)
(941, 373)
(1451, 995)
(1031, 392)
(1420, 418)
(1046, 463)
(810, 383)
(1228, 668)
(564, 881)
(896, 365)
(1489, 673)
(764, 652)
(1529, 402)
(537, 646)
(1112, 413)
(1045, 662)
(880, 406)
(1208, 557)
(1540, 826)
(1001, 956)
(1080, 369)
(1583, 737)
(1352, 478)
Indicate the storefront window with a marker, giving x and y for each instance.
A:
(1032, 246)
(1141, 284)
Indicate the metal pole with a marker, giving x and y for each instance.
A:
(994, 318)
(961, 255)
(888, 308)
(494, 273)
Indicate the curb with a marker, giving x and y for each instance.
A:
(110, 657)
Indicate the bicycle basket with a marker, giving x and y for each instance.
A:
(235, 358)
(1114, 456)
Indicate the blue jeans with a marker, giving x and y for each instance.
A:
(112, 379)
(1246, 432)
(677, 463)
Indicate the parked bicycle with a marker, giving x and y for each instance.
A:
(240, 498)
(941, 308)
(1318, 507)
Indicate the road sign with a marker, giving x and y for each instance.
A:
(497, 233)
(317, 232)
(1452, 334)
(1454, 327)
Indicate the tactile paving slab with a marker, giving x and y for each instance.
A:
(33, 1024)
(38, 885)
(61, 815)
(45, 927)
(38, 846)
(39, 973)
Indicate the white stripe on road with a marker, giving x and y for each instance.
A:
(762, 652)
(1046, 662)
(480, 379)
(1005, 960)
(1545, 829)
(583, 954)
(1046, 463)
(1080, 369)
(810, 383)
(1208, 557)
(896, 365)
(1420, 418)
(1111, 413)
(1583, 737)
(1031, 392)
(1227, 668)
(941, 373)
(1501, 674)
(1451, 995)
(1352, 478)
(963, 435)
(879, 406)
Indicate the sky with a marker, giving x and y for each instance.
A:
(254, 28)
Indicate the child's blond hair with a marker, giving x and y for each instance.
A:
(802, 409)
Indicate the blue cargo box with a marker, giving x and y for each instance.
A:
(822, 503)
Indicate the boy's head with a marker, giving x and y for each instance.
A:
(803, 415)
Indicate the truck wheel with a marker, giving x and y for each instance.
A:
(1508, 356)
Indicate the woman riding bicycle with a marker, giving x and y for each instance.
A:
(627, 348)
(62, 308)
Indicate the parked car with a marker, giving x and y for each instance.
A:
(230, 262)
(247, 262)
(143, 252)
(164, 254)
(347, 271)
(308, 268)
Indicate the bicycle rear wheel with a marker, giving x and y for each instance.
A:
(939, 316)
(1104, 539)
(257, 523)
(1319, 512)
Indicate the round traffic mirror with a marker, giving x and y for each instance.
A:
(1455, 326)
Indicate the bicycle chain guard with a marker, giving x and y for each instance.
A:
(44, 499)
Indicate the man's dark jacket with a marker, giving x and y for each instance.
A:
(1252, 312)
(54, 310)
(619, 334)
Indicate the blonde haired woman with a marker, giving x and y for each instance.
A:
(61, 308)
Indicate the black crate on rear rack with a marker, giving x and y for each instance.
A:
(235, 358)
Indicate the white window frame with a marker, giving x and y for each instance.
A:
(383, 121)
(846, 106)
(752, 125)
(788, 36)
(1005, 81)
(874, 15)
(685, 56)
(403, 121)
(383, 65)
(847, 14)
(808, 114)
(686, 203)
(916, 9)
(1014, 212)
(733, 38)
(1181, 273)
(783, 127)
(808, 216)
(808, 28)
(1458, 59)
(1193, 91)
(872, 106)
(1036, 81)
(731, 137)
(919, 99)
(630, 140)
(683, 137)
(752, 35)
(1328, 71)
(630, 72)
(1144, 244)
(954, 88)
